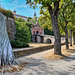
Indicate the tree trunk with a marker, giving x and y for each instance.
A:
(74, 38)
(57, 45)
(66, 36)
(6, 53)
(70, 37)
(54, 18)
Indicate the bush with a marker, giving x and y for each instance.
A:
(28, 24)
(22, 35)
(7, 13)
(18, 44)
(20, 19)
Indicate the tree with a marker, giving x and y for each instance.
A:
(72, 24)
(45, 19)
(33, 20)
(20, 19)
(74, 38)
(53, 11)
(41, 20)
(71, 27)
(45, 22)
(8, 62)
(64, 17)
(70, 37)
(6, 54)
(28, 18)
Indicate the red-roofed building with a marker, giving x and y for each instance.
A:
(37, 29)
(37, 32)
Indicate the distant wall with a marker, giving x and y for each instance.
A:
(11, 28)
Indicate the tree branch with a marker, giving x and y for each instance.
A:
(70, 14)
(56, 8)
(49, 8)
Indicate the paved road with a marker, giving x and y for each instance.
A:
(41, 66)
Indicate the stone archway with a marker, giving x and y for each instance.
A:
(48, 41)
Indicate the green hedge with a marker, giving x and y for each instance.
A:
(23, 36)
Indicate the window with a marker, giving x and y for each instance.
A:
(37, 32)
(33, 32)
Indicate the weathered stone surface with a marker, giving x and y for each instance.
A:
(11, 28)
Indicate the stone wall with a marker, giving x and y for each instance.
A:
(11, 28)
(23, 52)
(46, 37)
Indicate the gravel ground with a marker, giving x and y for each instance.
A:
(41, 66)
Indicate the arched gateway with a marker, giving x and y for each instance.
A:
(48, 41)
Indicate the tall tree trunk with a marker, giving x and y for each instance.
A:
(54, 18)
(57, 46)
(6, 53)
(70, 37)
(74, 38)
(66, 36)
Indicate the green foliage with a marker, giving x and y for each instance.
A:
(41, 21)
(22, 35)
(33, 3)
(35, 18)
(7, 13)
(45, 22)
(48, 32)
(28, 18)
(45, 18)
(65, 7)
(28, 24)
(67, 15)
(32, 21)
(71, 24)
(20, 19)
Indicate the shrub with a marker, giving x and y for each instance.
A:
(22, 35)
(7, 13)
(20, 19)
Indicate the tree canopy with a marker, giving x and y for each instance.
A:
(56, 13)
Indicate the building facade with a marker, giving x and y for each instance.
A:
(37, 33)
(37, 29)
(19, 16)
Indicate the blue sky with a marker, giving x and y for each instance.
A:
(20, 7)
